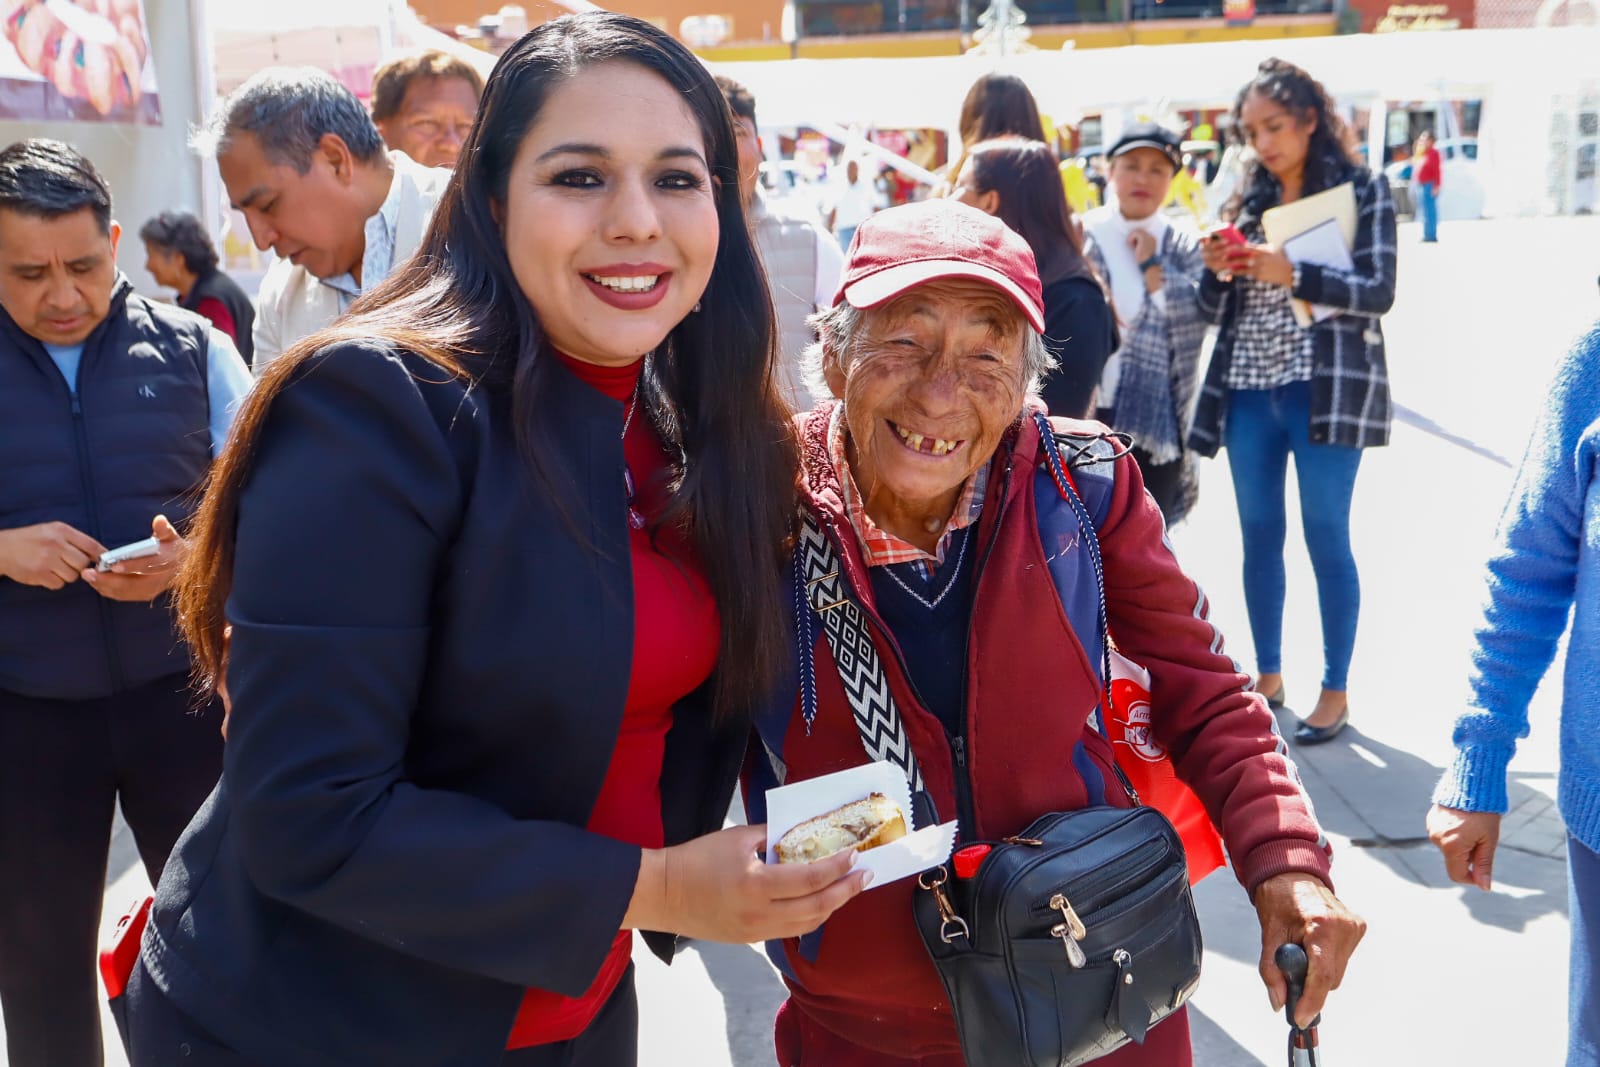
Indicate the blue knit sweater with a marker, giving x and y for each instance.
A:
(1546, 563)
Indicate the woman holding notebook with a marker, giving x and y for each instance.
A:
(1282, 383)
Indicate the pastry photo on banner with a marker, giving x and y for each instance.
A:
(77, 61)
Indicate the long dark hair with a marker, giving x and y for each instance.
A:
(457, 304)
(1033, 202)
(998, 105)
(1329, 158)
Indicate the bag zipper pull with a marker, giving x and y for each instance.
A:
(1128, 1011)
(1070, 930)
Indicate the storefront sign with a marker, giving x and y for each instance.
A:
(1239, 12)
(1402, 17)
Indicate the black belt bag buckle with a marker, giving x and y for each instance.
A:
(1071, 939)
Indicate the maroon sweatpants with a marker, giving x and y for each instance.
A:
(803, 1043)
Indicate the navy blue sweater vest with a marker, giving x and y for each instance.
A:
(133, 443)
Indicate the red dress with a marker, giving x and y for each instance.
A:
(675, 636)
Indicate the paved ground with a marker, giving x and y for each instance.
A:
(1447, 974)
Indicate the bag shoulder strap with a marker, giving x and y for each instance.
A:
(1086, 451)
(1061, 453)
(866, 684)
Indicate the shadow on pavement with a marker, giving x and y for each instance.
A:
(1372, 793)
(751, 993)
(1378, 797)
(1212, 1045)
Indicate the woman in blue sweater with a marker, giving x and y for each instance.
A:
(1547, 561)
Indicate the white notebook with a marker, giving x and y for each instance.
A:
(1324, 246)
(1286, 223)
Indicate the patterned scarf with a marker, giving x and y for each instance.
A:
(1145, 406)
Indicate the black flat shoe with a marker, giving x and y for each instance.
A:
(1275, 700)
(1306, 734)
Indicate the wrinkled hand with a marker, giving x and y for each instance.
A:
(146, 578)
(1298, 908)
(51, 554)
(1142, 244)
(1467, 840)
(1266, 264)
(716, 888)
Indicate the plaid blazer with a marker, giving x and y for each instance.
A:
(1350, 377)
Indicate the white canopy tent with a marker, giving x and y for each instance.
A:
(925, 92)
(347, 38)
(1532, 82)
(1521, 75)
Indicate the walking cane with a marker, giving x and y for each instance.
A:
(1291, 960)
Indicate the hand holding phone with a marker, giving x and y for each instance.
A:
(1228, 233)
(137, 550)
(160, 557)
(1225, 250)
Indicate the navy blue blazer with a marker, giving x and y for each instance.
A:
(428, 673)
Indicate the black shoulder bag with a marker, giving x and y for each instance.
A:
(1066, 941)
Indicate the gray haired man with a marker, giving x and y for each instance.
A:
(303, 160)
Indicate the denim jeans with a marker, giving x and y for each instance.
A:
(1264, 427)
(1428, 202)
(1583, 982)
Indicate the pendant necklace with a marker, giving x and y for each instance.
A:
(635, 516)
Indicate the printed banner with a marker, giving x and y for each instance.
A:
(1238, 12)
(77, 61)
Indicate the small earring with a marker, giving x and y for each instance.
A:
(696, 307)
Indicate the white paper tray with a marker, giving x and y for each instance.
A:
(790, 805)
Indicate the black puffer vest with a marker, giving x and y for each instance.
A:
(133, 443)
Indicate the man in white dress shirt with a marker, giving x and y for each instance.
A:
(302, 159)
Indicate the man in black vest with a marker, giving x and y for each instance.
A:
(111, 407)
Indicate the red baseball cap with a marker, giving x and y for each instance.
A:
(903, 247)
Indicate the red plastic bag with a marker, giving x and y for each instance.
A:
(1148, 767)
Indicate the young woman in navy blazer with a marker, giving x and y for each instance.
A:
(502, 556)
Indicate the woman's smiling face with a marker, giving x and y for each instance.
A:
(610, 219)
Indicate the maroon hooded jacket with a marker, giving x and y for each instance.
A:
(1029, 746)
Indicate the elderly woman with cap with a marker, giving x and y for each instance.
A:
(1153, 266)
(922, 474)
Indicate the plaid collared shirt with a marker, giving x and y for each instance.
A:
(1269, 348)
(880, 547)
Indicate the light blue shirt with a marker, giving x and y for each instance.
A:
(227, 381)
(377, 260)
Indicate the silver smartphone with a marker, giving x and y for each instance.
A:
(137, 550)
